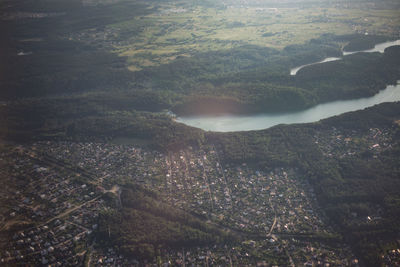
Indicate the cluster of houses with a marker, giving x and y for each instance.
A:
(63, 198)
(271, 204)
(217, 255)
(337, 143)
(52, 217)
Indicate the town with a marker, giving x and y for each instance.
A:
(54, 219)
(340, 143)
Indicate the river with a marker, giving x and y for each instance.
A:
(328, 59)
(377, 48)
(232, 123)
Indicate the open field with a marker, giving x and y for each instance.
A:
(180, 29)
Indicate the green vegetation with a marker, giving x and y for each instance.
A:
(182, 28)
(105, 72)
(359, 193)
(227, 54)
(145, 225)
(355, 76)
(60, 67)
(363, 42)
(67, 119)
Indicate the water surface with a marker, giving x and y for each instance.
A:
(328, 59)
(377, 48)
(232, 123)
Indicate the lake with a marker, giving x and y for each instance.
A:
(231, 123)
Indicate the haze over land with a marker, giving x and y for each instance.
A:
(96, 171)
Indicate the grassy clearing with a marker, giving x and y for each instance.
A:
(173, 30)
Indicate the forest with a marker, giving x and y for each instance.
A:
(145, 225)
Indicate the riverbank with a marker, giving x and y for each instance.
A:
(380, 48)
(355, 76)
(229, 123)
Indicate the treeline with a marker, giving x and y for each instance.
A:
(88, 120)
(357, 75)
(362, 42)
(145, 225)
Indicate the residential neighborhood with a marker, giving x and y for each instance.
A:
(54, 220)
